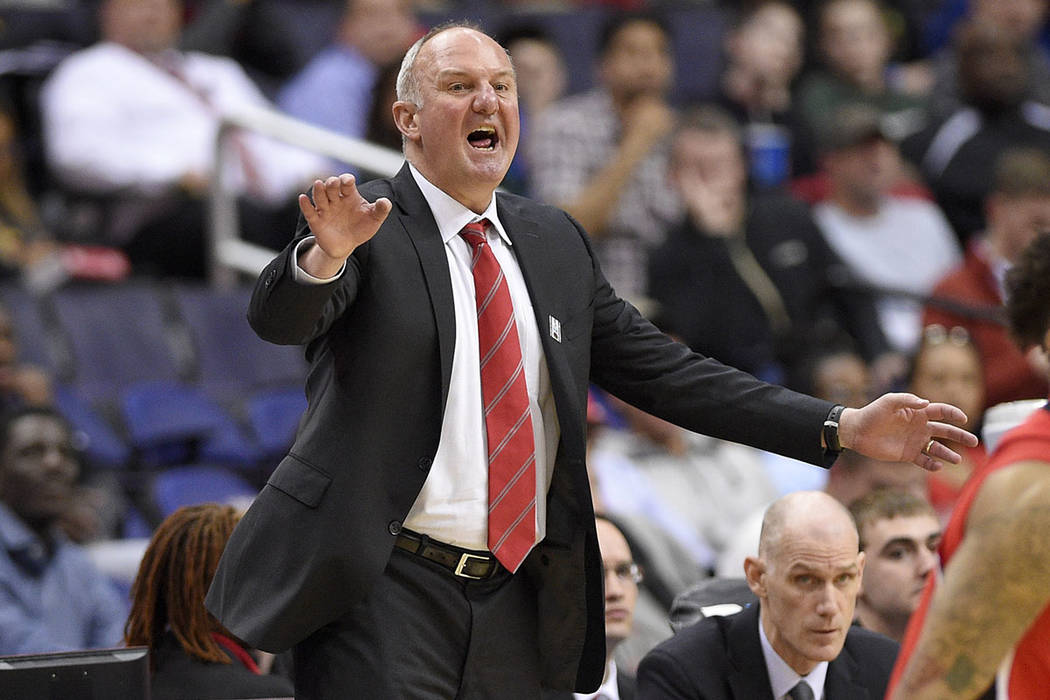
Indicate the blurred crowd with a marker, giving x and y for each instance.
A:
(828, 195)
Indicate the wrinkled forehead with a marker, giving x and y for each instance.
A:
(831, 553)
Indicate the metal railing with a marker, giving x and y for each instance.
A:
(228, 254)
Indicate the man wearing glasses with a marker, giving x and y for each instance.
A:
(622, 577)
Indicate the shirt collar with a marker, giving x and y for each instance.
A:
(21, 542)
(450, 215)
(782, 678)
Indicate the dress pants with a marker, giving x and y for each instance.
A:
(424, 633)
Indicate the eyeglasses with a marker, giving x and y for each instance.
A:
(936, 334)
(625, 572)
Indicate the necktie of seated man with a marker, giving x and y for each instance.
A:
(801, 691)
(508, 423)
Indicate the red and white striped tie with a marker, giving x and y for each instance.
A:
(508, 423)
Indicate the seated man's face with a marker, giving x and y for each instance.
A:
(900, 554)
(38, 469)
(621, 589)
(810, 592)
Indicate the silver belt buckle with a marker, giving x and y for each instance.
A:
(464, 559)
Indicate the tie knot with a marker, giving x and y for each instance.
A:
(801, 691)
(474, 233)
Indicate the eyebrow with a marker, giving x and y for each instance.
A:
(459, 72)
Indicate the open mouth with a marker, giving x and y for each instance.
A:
(483, 139)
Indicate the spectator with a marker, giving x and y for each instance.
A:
(947, 366)
(602, 155)
(899, 533)
(339, 85)
(841, 376)
(764, 52)
(52, 597)
(897, 247)
(1022, 21)
(134, 120)
(856, 48)
(985, 627)
(971, 296)
(542, 80)
(622, 579)
(953, 154)
(24, 241)
(806, 577)
(748, 279)
(191, 654)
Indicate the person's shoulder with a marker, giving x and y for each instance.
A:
(536, 210)
(868, 645)
(703, 639)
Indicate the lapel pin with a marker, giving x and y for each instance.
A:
(555, 328)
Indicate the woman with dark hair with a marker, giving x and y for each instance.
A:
(192, 656)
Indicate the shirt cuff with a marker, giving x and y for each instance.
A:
(302, 276)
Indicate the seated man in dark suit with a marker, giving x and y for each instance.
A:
(797, 642)
(622, 577)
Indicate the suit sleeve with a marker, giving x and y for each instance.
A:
(633, 360)
(287, 312)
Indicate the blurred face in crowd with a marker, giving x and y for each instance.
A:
(807, 581)
(844, 379)
(855, 41)
(900, 553)
(1014, 221)
(864, 173)
(637, 62)
(769, 45)
(380, 29)
(463, 136)
(38, 469)
(621, 589)
(711, 162)
(145, 26)
(1022, 19)
(992, 70)
(540, 70)
(948, 368)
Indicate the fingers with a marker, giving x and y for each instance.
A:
(944, 431)
(381, 208)
(945, 412)
(328, 192)
(932, 464)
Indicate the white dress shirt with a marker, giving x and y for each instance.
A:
(783, 678)
(453, 504)
(115, 120)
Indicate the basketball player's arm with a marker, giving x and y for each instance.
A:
(993, 589)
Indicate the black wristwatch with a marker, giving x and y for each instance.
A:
(831, 429)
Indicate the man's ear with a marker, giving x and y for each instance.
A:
(755, 571)
(405, 119)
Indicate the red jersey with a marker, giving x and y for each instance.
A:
(1025, 672)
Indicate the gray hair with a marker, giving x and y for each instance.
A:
(407, 79)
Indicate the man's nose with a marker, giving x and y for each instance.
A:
(486, 102)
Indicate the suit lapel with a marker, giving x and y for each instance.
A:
(417, 221)
(747, 675)
(532, 255)
(840, 683)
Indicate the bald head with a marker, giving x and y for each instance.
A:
(804, 514)
(806, 577)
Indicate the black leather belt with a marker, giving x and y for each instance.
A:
(461, 562)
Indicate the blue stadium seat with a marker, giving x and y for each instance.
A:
(273, 417)
(187, 485)
(231, 360)
(170, 423)
(119, 335)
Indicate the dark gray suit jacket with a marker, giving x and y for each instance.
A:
(380, 343)
(720, 658)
